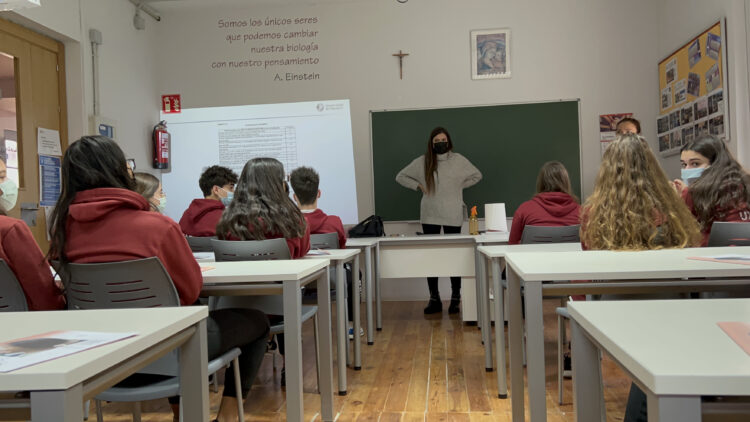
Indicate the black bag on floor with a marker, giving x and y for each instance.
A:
(371, 226)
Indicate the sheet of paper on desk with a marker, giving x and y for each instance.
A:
(739, 332)
(205, 268)
(27, 351)
(317, 252)
(203, 255)
(729, 259)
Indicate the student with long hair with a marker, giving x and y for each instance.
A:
(553, 205)
(634, 207)
(100, 218)
(149, 187)
(261, 209)
(441, 175)
(714, 185)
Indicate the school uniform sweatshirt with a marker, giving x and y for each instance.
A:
(737, 214)
(111, 224)
(544, 209)
(201, 217)
(19, 250)
(321, 223)
(445, 206)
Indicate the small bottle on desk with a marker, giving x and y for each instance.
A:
(473, 221)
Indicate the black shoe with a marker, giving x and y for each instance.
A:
(454, 306)
(434, 306)
(567, 366)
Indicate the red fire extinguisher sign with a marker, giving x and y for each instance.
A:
(171, 103)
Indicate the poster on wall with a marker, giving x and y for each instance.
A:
(608, 128)
(692, 98)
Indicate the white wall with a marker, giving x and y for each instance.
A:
(127, 72)
(560, 50)
(679, 21)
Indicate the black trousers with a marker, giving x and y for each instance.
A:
(243, 328)
(636, 410)
(432, 282)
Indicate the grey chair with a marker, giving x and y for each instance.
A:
(729, 234)
(555, 234)
(12, 298)
(324, 241)
(261, 250)
(551, 234)
(200, 244)
(141, 283)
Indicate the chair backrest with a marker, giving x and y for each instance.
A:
(200, 244)
(141, 283)
(724, 233)
(12, 298)
(551, 234)
(250, 250)
(324, 241)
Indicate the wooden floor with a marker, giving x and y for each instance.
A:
(419, 369)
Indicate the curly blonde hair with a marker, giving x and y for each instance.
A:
(633, 206)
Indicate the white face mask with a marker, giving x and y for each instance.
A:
(10, 194)
(162, 204)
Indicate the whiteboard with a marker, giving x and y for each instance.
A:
(315, 134)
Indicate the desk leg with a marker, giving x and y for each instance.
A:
(478, 290)
(588, 399)
(515, 338)
(502, 382)
(535, 351)
(368, 295)
(378, 307)
(341, 325)
(484, 309)
(325, 383)
(194, 376)
(58, 405)
(355, 317)
(673, 408)
(293, 356)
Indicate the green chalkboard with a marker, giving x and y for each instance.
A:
(507, 143)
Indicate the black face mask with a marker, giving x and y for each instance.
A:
(440, 148)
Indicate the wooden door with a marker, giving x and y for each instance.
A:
(39, 78)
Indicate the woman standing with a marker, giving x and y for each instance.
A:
(441, 175)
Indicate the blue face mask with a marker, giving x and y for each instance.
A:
(227, 199)
(690, 175)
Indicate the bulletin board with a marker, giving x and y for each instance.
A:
(693, 96)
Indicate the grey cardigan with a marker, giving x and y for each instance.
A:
(445, 206)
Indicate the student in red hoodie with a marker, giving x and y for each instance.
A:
(553, 205)
(99, 218)
(19, 250)
(200, 219)
(305, 182)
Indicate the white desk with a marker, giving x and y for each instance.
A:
(672, 348)
(367, 245)
(614, 272)
(247, 278)
(496, 256)
(337, 258)
(60, 386)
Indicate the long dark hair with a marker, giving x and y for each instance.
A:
(722, 186)
(90, 162)
(553, 177)
(430, 159)
(260, 205)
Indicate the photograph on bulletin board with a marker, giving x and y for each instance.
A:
(693, 91)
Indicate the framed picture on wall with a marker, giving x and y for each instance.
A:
(490, 53)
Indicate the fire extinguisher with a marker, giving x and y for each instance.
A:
(161, 141)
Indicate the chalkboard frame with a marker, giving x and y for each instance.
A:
(577, 187)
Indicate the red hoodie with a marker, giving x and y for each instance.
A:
(201, 217)
(321, 223)
(111, 224)
(544, 209)
(25, 259)
(739, 214)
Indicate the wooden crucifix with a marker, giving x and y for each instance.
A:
(400, 56)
